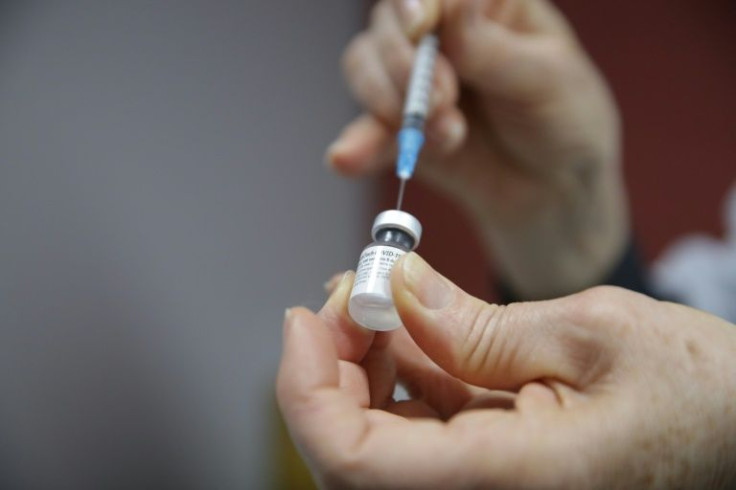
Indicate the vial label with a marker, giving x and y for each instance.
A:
(373, 273)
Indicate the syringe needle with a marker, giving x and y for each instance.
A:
(402, 186)
(416, 108)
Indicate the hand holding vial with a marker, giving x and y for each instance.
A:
(604, 388)
(522, 132)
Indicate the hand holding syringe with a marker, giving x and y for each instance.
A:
(516, 105)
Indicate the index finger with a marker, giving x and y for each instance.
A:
(321, 418)
(344, 443)
(351, 340)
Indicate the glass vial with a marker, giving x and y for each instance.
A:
(371, 304)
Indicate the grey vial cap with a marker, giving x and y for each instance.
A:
(398, 220)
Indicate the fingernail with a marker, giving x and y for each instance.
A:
(337, 150)
(332, 283)
(288, 317)
(412, 15)
(447, 133)
(336, 282)
(330, 153)
(453, 131)
(431, 289)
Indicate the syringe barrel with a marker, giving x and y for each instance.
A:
(422, 77)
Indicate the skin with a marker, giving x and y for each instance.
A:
(602, 389)
(523, 133)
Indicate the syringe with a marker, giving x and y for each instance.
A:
(411, 135)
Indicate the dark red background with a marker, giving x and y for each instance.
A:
(672, 66)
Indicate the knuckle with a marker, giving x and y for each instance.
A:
(385, 107)
(354, 54)
(368, 82)
(381, 10)
(609, 314)
(445, 80)
(597, 304)
(397, 57)
(346, 468)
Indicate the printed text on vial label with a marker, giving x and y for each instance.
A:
(376, 263)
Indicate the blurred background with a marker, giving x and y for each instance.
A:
(162, 200)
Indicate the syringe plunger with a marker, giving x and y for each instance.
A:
(420, 85)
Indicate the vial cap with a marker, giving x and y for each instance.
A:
(399, 220)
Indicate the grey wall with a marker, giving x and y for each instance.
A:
(162, 199)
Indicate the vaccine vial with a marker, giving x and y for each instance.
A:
(371, 304)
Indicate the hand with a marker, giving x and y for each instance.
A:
(604, 389)
(523, 133)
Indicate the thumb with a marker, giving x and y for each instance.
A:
(499, 347)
